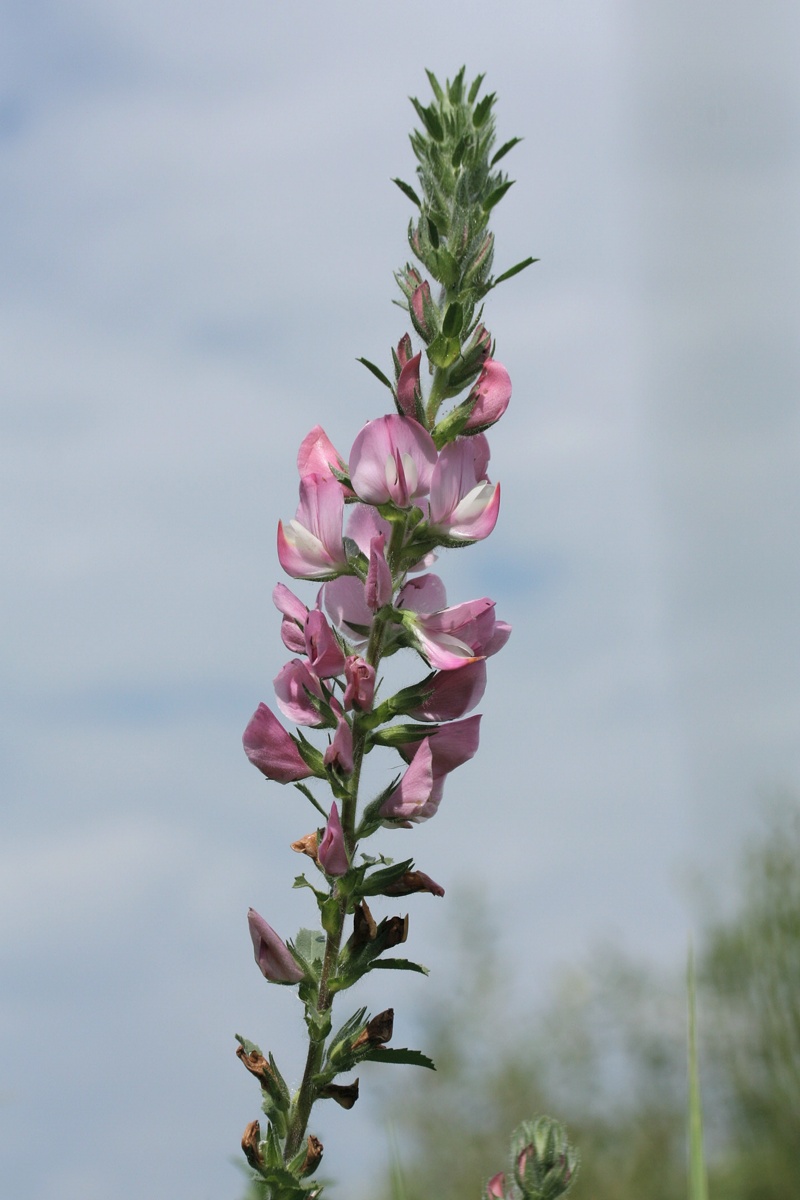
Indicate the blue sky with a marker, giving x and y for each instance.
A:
(198, 240)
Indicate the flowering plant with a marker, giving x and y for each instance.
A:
(367, 530)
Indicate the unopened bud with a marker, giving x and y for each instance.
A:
(345, 1094)
(409, 280)
(424, 313)
(313, 1156)
(377, 1031)
(545, 1162)
(251, 1144)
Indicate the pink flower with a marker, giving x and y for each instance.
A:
(463, 504)
(346, 602)
(360, 684)
(331, 853)
(392, 460)
(426, 593)
(294, 685)
(418, 794)
(274, 751)
(340, 752)
(325, 657)
(452, 693)
(294, 618)
(317, 456)
(275, 961)
(404, 347)
(408, 388)
(451, 745)
(310, 546)
(496, 1187)
(378, 589)
(454, 636)
(492, 392)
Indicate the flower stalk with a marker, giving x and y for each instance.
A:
(367, 529)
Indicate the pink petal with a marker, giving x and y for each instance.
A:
(331, 853)
(270, 748)
(273, 956)
(392, 459)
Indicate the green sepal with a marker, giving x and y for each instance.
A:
(473, 91)
(273, 1147)
(433, 233)
(443, 351)
(504, 149)
(284, 1186)
(310, 755)
(371, 820)
(455, 90)
(430, 119)
(401, 735)
(457, 157)
(376, 371)
(453, 321)
(435, 85)
(512, 271)
(397, 964)
(483, 109)
(497, 195)
(390, 1054)
(408, 191)
(318, 1024)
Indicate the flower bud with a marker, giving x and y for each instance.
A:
(424, 313)
(275, 961)
(545, 1164)
(409, 395)
(490, 397)
(332, 855)
(360, 684)
(403, 353)
(409, 280)
(339, 754)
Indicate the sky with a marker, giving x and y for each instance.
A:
(198, 241)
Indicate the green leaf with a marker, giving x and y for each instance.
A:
(376, 371)
(483, 109)
(457, 156)
(397, 964)
(443, 351)
(430, 119)
(497, 195)
(310, 945)
(512, 271)
(433, 233)
(435, 85)
(455, 90)
(407, 190)
(476, 84)
(503, 151)
(409, 1058)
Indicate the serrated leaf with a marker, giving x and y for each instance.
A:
(435, 85)
(482, 110)
(310, 944)
(503, 151)
(408, 1058)
(397, 964)
(376, 371)
(512, 271)
(456, 88)
(408, 191)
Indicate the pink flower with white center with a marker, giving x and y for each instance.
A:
(310, 546)
(274, 751)
(451, 745)
(492, 392)
(294, 618)
(331, 854)
(294, 684)
(346, 603)
(378, 588)
(392, 460)
(455, 636)
(463, 503)
(340, 752)
(418, 794)
(452, 693)
(359, 691)
(318, 456)
(275, 960)
(408, 388)
(325, 657)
